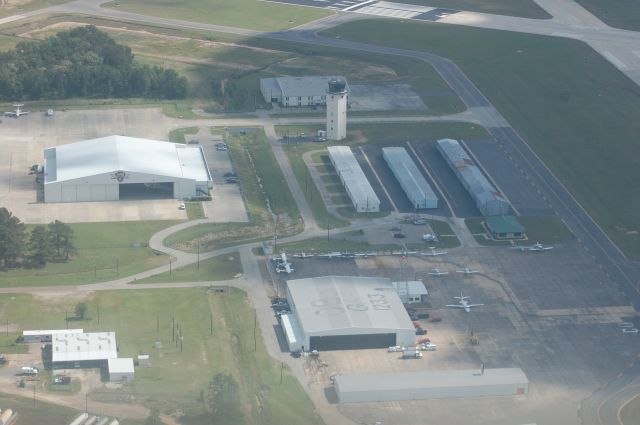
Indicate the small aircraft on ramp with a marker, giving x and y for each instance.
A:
(437, 272)
(433, 252)
(283, 265)
(467, 271)
(17, 113)
(537, 247)
(462, 303)
(303, 255)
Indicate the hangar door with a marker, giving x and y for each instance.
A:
(146, 190)
(352, 342)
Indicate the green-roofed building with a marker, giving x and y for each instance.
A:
(505, 227)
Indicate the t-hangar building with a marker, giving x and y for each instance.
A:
(118, 168)
(345, 313)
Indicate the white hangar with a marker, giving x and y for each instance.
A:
(118, 167)
(345, 313)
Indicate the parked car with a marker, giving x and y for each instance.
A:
(399, 235)
(626, 325)
(630, 330)
(428, 347)
(412, 355)
(396, 349)
(231, 180)
(296, 354)
(435, 319)
(230, 174)
(421, 331)
(423, 315)
(419, 221)
(62, 380)
(182, 206)
(192, 142)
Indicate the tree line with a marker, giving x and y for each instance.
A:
(83, 62)
(44, 243)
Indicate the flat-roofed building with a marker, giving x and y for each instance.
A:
(355, 182)
(346, 313)
(411, 291)
(505, 227)
(413, 183)
(298, 91)
(422, 385)
(121, 370)
(86, 349)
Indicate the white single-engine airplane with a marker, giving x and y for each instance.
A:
(537, 247)
(437, 272)
(433, 252)
(303, 255)
(283, 265)
(467, 271)
(462, 303)
(17, 113)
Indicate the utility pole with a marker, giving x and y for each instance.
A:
(255, 326)
(169, 266)
(211, 323)
(173, 328)
(117, 267)
(198, 263)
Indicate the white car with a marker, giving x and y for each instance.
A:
(428, 237)
(396, 349)
(626, 325)
(182, 206)
(428, 347)
(630, 330)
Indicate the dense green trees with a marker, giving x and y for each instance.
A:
(18, 248)
(82, 62)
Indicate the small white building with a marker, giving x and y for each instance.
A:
(337, 110)
(83, 349)
(297, 91)
(121, 370)
(411, 291)
(118, 167)
(46, 335)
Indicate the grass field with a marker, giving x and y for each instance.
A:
(12, 8)
(194, 210)
(218, 332)
(105, 251)
(178, 135)
(38, 413)
(580, 114)
(630, 413)
(623, 14)
(251, 14)
(520, 8)
(222, 267)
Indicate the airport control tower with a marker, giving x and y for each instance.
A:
(337, 109)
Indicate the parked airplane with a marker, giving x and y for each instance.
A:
(537, 247)
(330, 255)
(303, 255)
(283, 265)
(403, 253)
(437, 272)
(467, 271)
(17, 113)
(434, 252)
(364, 254)
(462, 303)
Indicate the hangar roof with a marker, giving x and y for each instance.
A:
(123, 365)
(406, 172)
(316, 85)
(354, 179)
(129, 154)
(347, 302)
(83, 346)
(429, 379)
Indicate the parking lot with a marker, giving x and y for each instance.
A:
(555, 315)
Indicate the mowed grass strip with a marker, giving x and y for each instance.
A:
(250, 14)
(630, 413)
(144, 319)
(178, 135)
(519, 8)
(221, 267)
(576, 111)
(105, 251)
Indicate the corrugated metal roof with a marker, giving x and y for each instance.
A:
(487, 198)
(52, 332)
(347, 302)
(120, 153)
(416, 380)
(123, 365)
(410, 287)
(356, 183)
(411, 180)
(84, 346)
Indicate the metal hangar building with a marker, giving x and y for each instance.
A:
(118, 167)
(345, 313)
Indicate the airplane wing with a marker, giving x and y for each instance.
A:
(9, 114)
(474, 305)
(455, 306)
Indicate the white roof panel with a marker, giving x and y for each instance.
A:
(120, 153)
(84, 346)
(52, 332)
(410, 178)
(123, 365)
(347, 302)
